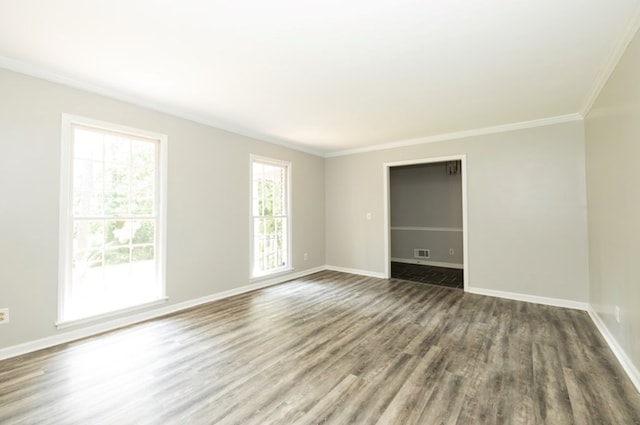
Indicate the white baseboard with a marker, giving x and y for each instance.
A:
(428, 263)
(86, 331)
(356, 271)
(555, 302)
(625, 361)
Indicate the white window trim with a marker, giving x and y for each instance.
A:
(65, 235)
(253, 276)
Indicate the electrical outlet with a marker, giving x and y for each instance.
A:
(306, 256)
(617, 314)
(4, 316)
(451, 251)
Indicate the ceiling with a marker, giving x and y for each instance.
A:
(326, 75)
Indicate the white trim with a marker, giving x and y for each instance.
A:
(356, 271)
(386, 167)
(39, 344)
(43, 74)
(110, 314)
(64, 231)
(428, 263)
(618, 351)
(621, 46)
(427, 229)
(555, 302)
(163, 204)
(461, 134)
(271, 275)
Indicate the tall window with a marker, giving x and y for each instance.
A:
(112, 211)
(270, 216)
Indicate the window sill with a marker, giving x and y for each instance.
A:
(86, 320)
(277, 273)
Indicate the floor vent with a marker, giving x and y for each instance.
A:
(421, 253)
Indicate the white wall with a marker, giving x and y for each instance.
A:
(425, 196)
(208, 195)
(612, 133)
(526, 209)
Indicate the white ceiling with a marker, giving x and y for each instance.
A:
(329, 75)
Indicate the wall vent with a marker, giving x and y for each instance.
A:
(421, 253)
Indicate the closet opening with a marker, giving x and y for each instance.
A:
(426, 221)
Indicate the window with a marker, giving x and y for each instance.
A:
(270, 217)
(112, 218)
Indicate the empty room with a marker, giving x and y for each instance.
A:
(304, 212)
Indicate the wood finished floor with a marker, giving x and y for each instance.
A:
(441, 276)
(331, 348)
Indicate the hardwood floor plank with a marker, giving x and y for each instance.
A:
(326, 404)
(411, 399)
(446, 401)
(552, 401)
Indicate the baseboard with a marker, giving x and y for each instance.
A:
(428, 263)
(555, 302)
(86, 331)
(618, 351)
(356, 271)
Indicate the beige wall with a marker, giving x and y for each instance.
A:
(526, 209)
(208, 194)
(612, 133)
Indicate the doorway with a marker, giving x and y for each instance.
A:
(426, 221)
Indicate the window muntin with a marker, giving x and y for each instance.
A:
(270, 219)
(112, 220)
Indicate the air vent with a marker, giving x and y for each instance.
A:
(421, 253)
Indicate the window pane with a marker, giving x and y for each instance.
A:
(142, 180)
(116, 204)
(87, 188)
(143, 154)
(142, 253)
(87, 175)
(118, 233)
(88, 234)
(141, 205)
(116, 188)
(117, 149)
(143, 231)
(278, 205)
(84, 260)
(116, 256)
(87, 144)
(268, 197)
(87, 204)
(116, 178)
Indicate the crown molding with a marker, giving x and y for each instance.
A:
(44, 74)
(621, 46)
(559, 119)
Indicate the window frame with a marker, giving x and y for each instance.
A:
(253, 274)
(65, 237)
